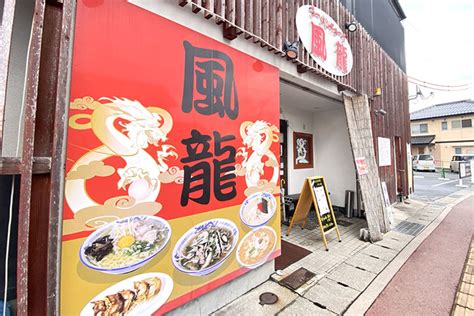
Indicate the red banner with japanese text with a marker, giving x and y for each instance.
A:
(172, 172)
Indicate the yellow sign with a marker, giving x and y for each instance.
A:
(314, 192)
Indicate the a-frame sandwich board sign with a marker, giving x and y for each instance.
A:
(314, 192)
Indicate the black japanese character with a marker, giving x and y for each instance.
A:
(197, 177)
(224, 189)
(197, 146)
(209, 85)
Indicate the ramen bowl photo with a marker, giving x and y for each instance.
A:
(205, 247)
(125, 244)
(258, 209)
(256, 246)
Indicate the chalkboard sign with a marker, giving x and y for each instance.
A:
(324, 207)
(314, 192)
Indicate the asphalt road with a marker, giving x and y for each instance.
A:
(429, 187)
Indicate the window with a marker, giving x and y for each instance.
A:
(456, 124)
(444, 126)
(423, 128)
(466, 123)
(419, 128)
(425, 157)
(457, 151)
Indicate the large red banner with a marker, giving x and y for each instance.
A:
(172, 170)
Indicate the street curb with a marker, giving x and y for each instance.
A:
(370, 294)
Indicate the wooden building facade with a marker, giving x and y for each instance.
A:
(40, 162)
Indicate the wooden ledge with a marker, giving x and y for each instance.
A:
(12, 165)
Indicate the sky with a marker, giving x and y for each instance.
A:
(439, 43)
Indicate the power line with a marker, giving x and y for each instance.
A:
(439, 87)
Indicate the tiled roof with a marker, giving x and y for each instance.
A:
(422, 140)
(444, 109)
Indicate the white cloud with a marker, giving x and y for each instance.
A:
(440, 46)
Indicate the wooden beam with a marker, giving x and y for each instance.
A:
(31, 93)
(301, 68)
(257, 20)
(248, 18)
(209, 5)
(12, 165)
(229, 30)
(279, 26)
(219, 8)
(196, 8)
(56, 195)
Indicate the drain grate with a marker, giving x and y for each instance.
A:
(297, 278)
(409, 228)
(341, 222)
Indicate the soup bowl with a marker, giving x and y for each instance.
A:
(104, 230)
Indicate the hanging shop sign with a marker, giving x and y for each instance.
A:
(160, 205)
(315, 193)
(324, 40)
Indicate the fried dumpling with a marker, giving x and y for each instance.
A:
(154, 285)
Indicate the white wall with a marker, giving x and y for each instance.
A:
(332, 150)
(333, 154)
(298, 121)
(16, 75)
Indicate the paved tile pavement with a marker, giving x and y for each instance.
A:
(249, 303)
(367, 262)
(343, 272)
(303, 306)
(332, 295)
(464, 302)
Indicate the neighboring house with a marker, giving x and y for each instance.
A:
(443, 130)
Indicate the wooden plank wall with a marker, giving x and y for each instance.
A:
(269, 23)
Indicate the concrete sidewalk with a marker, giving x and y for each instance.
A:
(342, 280)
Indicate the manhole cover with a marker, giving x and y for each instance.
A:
(268, 298)
(297, 278)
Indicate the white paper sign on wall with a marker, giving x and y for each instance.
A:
(324, 40)
(385, 154)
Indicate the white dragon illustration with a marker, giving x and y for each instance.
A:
(125, 128)
(301, 151)
(258, 137)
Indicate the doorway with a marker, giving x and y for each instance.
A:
(399, 165)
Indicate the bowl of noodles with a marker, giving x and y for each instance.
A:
(256, 246)
(258, 209)
(125, 244)
(205, 247)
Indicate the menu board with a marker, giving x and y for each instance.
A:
(314, 192)
(172, 171)
(320, 192)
